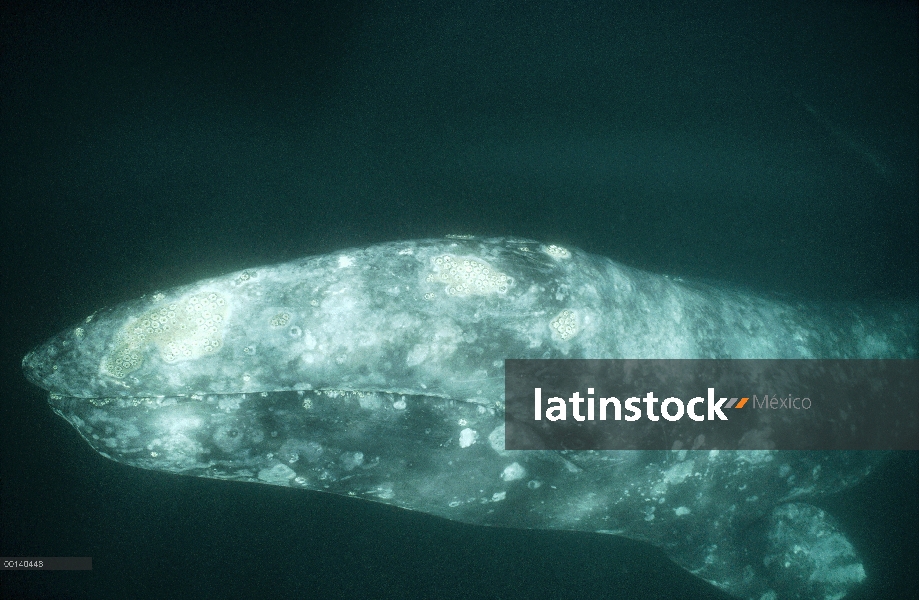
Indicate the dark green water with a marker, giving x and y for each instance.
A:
(769, 145)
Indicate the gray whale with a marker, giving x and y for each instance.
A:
(377, 373)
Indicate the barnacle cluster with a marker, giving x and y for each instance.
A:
(468, 276)
(281, 319)
(557, 251)
(244, 277)
(181, 330)
(565, 325)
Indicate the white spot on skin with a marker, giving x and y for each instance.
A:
(678, 472)
(496, 439)
(399, 404)
(498, 496)
(351, 460)
(309, 342)
(384, 492)
(468, 437)
(370, 402)
(345, 261)
(447, 336)
(513, 472)
(278, 474)
(680, 511)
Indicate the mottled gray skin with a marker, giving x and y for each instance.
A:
(375, 373)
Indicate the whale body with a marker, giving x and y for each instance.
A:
(378, 373)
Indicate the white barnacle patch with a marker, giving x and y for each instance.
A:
(557, 251)
(468, 437)
(498, 496)
(186, 329)
(345, 261)
(399, 404)
(565, 325)
(513, 472)
(78, 333)
(681, 511)
(468, 276)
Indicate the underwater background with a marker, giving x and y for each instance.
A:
(772, 146)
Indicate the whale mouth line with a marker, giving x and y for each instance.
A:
(325, 392)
